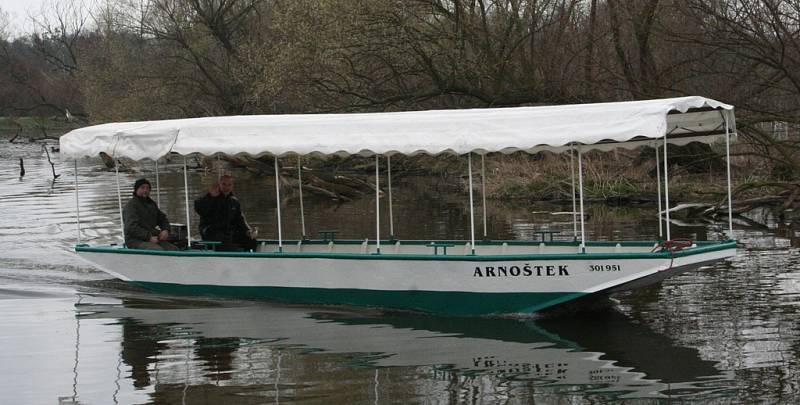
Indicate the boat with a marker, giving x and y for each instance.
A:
(474, 277)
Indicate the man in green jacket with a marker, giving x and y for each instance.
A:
(146, 226)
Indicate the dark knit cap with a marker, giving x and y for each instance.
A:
(138, 184)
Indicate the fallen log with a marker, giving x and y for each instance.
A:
(325, 193)
(713, 210)
(338, 189)
(354, 183)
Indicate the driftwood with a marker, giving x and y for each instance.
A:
(19, 131)
(712, 210)
(325, 193)
(341, 190)
(52, 165)
(355, 183)
(792, 198)
(324, 183)
(107, 160)
(254, 165)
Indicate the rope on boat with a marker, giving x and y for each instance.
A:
(671, 246)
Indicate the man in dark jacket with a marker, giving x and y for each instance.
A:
(146, 226)
(221, 218)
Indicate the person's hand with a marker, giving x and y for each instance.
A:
(214, 190)
(154, 239)
(253, 232)
(163, 235)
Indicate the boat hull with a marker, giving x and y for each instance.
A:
(454, 285)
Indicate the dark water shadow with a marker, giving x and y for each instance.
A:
(236, 350)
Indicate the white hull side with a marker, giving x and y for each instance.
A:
(531, 276)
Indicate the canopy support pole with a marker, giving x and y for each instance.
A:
(728, 164)
(119, 202)
(483, 193)
(471, 205)
(77, 204)
(186, 198)
(658, 176)
(391, 215)
(158, 187)
(580, 189)
(278, 205)
(666, 187)
(300, 188)
(377, 208)
(574, 202)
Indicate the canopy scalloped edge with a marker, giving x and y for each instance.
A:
(601, 126)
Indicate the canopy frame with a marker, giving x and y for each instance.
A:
(502, 130)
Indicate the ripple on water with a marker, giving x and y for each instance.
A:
(723, 334)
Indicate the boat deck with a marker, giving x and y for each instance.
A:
(452, 247)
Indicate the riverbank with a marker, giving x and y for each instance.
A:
(21, 129)
(616, 177)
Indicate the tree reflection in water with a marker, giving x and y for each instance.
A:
(250, 352)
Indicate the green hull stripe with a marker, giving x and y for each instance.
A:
(438, 302)
(702, 248)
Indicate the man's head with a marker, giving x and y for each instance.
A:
(141, 188)
(226, 184)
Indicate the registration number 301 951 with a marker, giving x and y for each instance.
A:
(604, 267)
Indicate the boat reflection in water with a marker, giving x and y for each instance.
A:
(186, 351)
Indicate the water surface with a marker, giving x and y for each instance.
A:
(70, 334)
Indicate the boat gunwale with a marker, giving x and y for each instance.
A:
(702, 247)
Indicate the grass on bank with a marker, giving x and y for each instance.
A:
(35, 127)
(620, 175)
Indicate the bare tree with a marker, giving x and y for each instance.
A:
(635, 57)
(753, 49)
(58, 28)
(4, 26)
(429, 53)
(759, 44)
(209, 37)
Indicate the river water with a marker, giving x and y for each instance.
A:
(70, 334)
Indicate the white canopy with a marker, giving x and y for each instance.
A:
(531, 129)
